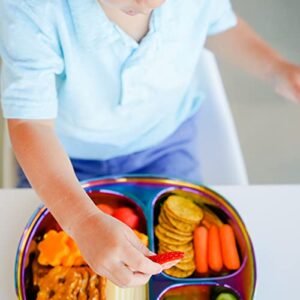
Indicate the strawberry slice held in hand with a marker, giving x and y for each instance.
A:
(168, 259)
(106, 208)
(128, 216)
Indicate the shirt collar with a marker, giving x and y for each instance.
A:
(90, 22)
(92, 25)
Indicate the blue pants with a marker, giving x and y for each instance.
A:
(177, 157)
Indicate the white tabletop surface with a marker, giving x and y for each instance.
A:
(271, 214)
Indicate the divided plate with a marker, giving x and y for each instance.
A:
(146, 195)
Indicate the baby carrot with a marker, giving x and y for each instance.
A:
(215, 261)
(230, 254)
(200, 247)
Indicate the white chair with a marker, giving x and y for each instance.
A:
(9, 165)
(8, 161)
(221, 157)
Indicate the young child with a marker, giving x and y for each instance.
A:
(110, 87)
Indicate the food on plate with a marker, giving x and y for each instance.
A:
(186, 248)
(167, 257)
(215, 249)
(167, 226)
(193, 234)
(201, 249)
(106, 208)
(59, 271)
(170, 238)
(124, 214)
(215, 260)
(186, 265)
(57, 248)
(179, 273)
(128, 216)
(53, 248)
(195, 228)
(68, 283)
(177, 220)
(183, 227)
(230, 254)
(183, 209)
(175, 236)
(58, 268)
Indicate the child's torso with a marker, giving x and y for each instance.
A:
(111, 95)
(131, 83)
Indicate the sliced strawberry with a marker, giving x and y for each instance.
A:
(167, 257)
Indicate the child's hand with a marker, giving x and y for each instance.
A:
(287, 81)
(112, 250)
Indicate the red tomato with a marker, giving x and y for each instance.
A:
(128, 216)
(106, 208)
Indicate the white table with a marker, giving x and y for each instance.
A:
(271, 214)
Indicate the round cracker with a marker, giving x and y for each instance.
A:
(175, 272)
(162, 219)
(182, 226)
(174, 236)
(184, 208)
(186, 266)
(179, 225)
(171, 228)
(184, 248)
(170, 214)
(167, 240)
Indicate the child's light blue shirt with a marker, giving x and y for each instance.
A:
(110, 96)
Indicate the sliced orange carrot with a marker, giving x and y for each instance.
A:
(215, 261)
(53, 248)
(230, 253)
(201, 247)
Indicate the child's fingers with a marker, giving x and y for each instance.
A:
(140, 279)
(170, 264)
(138, 262)
(136, 243)
(123, 277)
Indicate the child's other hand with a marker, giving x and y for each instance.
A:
(113, 250)
(287, 81)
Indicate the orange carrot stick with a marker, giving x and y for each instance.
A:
(200, 247)
(215, 261)
(230, 254)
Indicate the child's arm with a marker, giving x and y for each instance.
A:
(241, 46)
(108, 245)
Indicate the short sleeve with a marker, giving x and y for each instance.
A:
(30, 63)
(222, 16)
